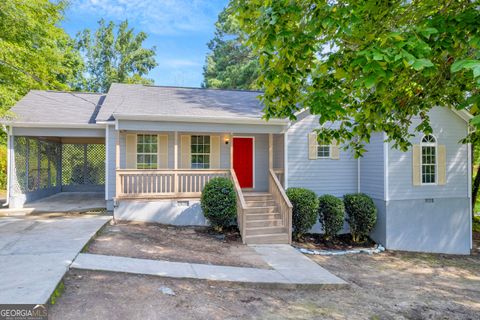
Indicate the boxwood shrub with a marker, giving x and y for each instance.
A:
(305, 210)
(219, 203)
(361, 214)
(331, 214)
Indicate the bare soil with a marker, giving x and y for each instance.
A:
(390, 285)
(181, 244)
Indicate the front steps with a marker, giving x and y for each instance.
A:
(263, 223)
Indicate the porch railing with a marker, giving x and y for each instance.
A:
(168, 183)
(284, 205)
(241, 204)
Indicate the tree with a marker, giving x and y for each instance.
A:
(114, 57)
(34, 52)
(371, 65)
(230, 63)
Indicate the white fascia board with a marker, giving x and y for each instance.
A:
(229, 120)
(464, 114)
(55, 125)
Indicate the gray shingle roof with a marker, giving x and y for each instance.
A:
(134, 99)
(57, 107)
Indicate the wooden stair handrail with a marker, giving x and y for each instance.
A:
(280, 188)
(238, 189)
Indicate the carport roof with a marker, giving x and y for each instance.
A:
(49, 107)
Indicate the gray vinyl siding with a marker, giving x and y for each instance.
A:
(278, 150)
(59, 132)
(442, 226)
(110, 141)
(449, 129)
(323, 176)
(372, 168)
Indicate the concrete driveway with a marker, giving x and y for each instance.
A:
(35, 253)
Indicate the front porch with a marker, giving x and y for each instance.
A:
(160, 176)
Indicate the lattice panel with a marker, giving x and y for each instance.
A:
(36, 163)
(83, 164)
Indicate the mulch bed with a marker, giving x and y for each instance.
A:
(341, 242)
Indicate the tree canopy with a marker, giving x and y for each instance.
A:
(370, 65)
(114, 56)
(230, 63)
(34, 52)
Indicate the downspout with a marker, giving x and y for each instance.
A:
(9, 145)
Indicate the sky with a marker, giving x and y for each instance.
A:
(179, 29)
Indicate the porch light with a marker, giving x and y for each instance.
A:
(227, 139)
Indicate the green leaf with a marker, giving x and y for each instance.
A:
(370, 81)
(476, 72)
(420, 64)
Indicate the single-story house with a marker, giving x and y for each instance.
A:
(151, 149)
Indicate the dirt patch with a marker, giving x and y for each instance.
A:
(383, 286)
(341, 242)
(196, 245)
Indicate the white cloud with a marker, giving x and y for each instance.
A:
(162, 17)
(178, 63)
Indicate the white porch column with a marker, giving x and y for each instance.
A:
(175, 152)
(270, 151)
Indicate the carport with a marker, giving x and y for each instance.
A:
(55, 146)
(44, 166)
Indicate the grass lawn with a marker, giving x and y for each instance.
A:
(390, 285)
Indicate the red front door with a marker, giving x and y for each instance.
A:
(243, 161)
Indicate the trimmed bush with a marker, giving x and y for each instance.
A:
(361, 214)
(331, 214)
(305, 209)
(219, 203)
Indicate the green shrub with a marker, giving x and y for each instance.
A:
(219, 203)
(331, 214)
(476, 224)
(305, 209)
(361, 214)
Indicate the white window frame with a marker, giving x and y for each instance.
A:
(429, 144)
(329, 151)
(146, 153)
(209, 154)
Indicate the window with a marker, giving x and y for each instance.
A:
(323, 151)
(429, 159)
(147, 151)
(200, 152)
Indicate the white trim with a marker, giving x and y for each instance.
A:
(463, 114)
(106, 161)
(196, 118)
(175, 150)
(285, 160)
(469, 195)
(9, 162)
(253, 155)
(386, 194)
(55, 125)
(329, 151)
(429, 144)
(358, 175)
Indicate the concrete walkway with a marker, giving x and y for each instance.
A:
(290, 269)
(35, 253)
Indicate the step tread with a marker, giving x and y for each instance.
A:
(263, 207)
(257, 194)
(266, 235)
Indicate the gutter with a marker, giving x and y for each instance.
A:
(54, 125)
(205, 119)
